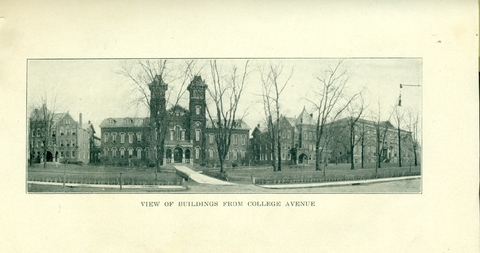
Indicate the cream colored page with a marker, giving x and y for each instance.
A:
(443, 218)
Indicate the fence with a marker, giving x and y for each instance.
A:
(305, 179)
(105, 178)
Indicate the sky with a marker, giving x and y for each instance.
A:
(95, 88)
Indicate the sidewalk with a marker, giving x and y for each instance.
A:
(342, 183)
(200, 178)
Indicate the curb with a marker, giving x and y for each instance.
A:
(344, 183)
(170, 187)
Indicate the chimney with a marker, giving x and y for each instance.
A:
(80, 120)
(258, 126)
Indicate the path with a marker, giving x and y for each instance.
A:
(200, 178)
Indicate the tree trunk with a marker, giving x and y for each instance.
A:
(352, 162)
(399, 148)
(363, 151)
(415, 155)
(279, 158)
(221, 165)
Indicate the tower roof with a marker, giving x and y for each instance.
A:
(304, 118)
(196, 82)
(158, 80)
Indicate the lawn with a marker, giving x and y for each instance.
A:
(305, 174)
(88, 174)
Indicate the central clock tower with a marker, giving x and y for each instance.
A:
(197, 107)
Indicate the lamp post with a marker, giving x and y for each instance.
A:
(400, 96)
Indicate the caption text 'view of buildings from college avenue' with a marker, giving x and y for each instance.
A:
(289, 110)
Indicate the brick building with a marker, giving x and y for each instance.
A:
(365, 136)
(298, 142)
(67, 139)
(189, 137)
(297, 138)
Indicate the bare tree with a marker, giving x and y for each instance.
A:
(225, 94)
(398, 115)
(355, 134)
(413, 125)
(42, 121)
(272, 89)
(331, 100)
(143, 75)
(381, 130)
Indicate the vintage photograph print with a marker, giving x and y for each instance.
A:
(233, 126)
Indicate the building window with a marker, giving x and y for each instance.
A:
(235, 137)
(289, 135)
(210, 153)
(122, 152)
(114, 152)
(197, 153)
(139, 137)
(183, 135)
(73, 143)
(130, 137)
(130, 152)
(61, 144)
(171, 135)
(122, 137)
(243, 153)
(114, 137)
(244, 139)
(234, 153)
(105, 138)
(61, 130)
(210, 137)
(73, 130)
(197, 135)
(61, 154)
(73, 153)
(105, 150)
(197, 109)
(139, 153)
(68, 131)
(177, 132)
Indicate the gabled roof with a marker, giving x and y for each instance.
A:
(124, 122)
(304, 118)
(58, 116)
(291, 121)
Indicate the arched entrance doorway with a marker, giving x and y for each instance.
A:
(49, 156)
(177, 155)
(303, 158)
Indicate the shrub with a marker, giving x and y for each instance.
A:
(234, 164)
(203, 164)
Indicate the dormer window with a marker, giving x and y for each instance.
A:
(197, 109)
(111, 121)
(128, 121)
